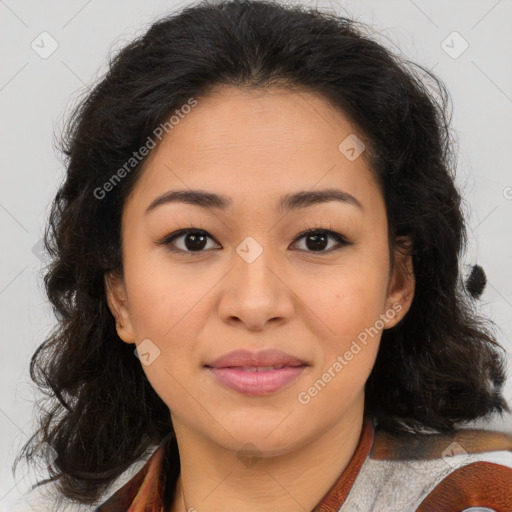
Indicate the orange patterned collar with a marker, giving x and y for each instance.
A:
(339, 491)
(144, 492)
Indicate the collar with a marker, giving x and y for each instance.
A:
(338, 493)
(144, 492)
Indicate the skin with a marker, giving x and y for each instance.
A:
(196, 306)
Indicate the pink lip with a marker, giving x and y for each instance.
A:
(259, 382)
(267, 357)
(233, 371)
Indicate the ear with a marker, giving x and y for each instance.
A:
(401, 284)
(118, 304)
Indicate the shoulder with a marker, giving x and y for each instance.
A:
(463, 442)
(470, 467)
(434, 472)
(144, 491)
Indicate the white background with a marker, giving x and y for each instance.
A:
(36, 94)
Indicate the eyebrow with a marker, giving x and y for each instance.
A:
(288, 202)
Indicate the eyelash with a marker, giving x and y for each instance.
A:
(342, 241)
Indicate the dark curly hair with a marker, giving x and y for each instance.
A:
(440, 366)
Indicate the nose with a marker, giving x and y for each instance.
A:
(256, 294)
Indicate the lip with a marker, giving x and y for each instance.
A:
(267, 357)
(241, 371)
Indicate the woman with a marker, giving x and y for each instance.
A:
(256, 271)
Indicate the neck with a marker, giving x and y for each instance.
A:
(213, 479)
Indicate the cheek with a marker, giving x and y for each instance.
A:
(162, 293)
(168, 305)
(351, 307)
(354, 298)
(352, 313)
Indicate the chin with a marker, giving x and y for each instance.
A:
(265, 439)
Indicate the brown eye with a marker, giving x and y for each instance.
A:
(189, 241)
(317, 240)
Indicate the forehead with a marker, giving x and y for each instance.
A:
(259, 144)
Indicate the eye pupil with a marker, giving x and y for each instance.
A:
(319, 241)
(198, 241)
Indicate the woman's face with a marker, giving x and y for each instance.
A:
(248, 280)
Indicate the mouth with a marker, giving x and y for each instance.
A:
(260, 373)
(256, 368)
(271, 359)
